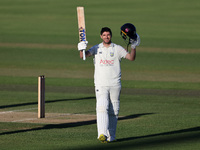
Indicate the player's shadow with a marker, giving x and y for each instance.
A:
(182, 136)
(46, 102)
(195, 129)
(73, 124)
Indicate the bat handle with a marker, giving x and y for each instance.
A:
(84, 58)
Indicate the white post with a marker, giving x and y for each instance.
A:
(41, 96)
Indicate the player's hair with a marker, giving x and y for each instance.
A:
(106, 29)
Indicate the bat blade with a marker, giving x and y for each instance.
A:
(81, 26)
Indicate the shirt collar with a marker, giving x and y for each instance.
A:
(111, 45)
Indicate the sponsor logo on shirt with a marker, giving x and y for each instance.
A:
(107, 62)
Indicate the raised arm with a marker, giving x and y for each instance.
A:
(132, 55)
(82, 46)
(87, 54)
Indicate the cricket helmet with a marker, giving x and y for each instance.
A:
(128, 30)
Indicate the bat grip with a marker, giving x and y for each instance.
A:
(84, 58)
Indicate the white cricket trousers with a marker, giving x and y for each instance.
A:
(107, 110)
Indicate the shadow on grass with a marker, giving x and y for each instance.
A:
(159, 141)
(69, 125)
(137, 142)
(47, 101)
(161, 134)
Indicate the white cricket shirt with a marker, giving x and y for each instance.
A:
(107, 64)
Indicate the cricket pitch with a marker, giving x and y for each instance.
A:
(50, 118)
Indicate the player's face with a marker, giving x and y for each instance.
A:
(106, 37)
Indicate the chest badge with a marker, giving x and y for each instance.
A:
(111, 54)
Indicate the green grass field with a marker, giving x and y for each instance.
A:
(160, 97)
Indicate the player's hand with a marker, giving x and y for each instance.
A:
(82, 45)
(136, 42)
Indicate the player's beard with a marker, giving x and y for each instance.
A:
(107, 41)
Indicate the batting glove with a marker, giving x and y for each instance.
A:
(136, 42)
(82, 45)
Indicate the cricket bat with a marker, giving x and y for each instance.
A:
(81, 26)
